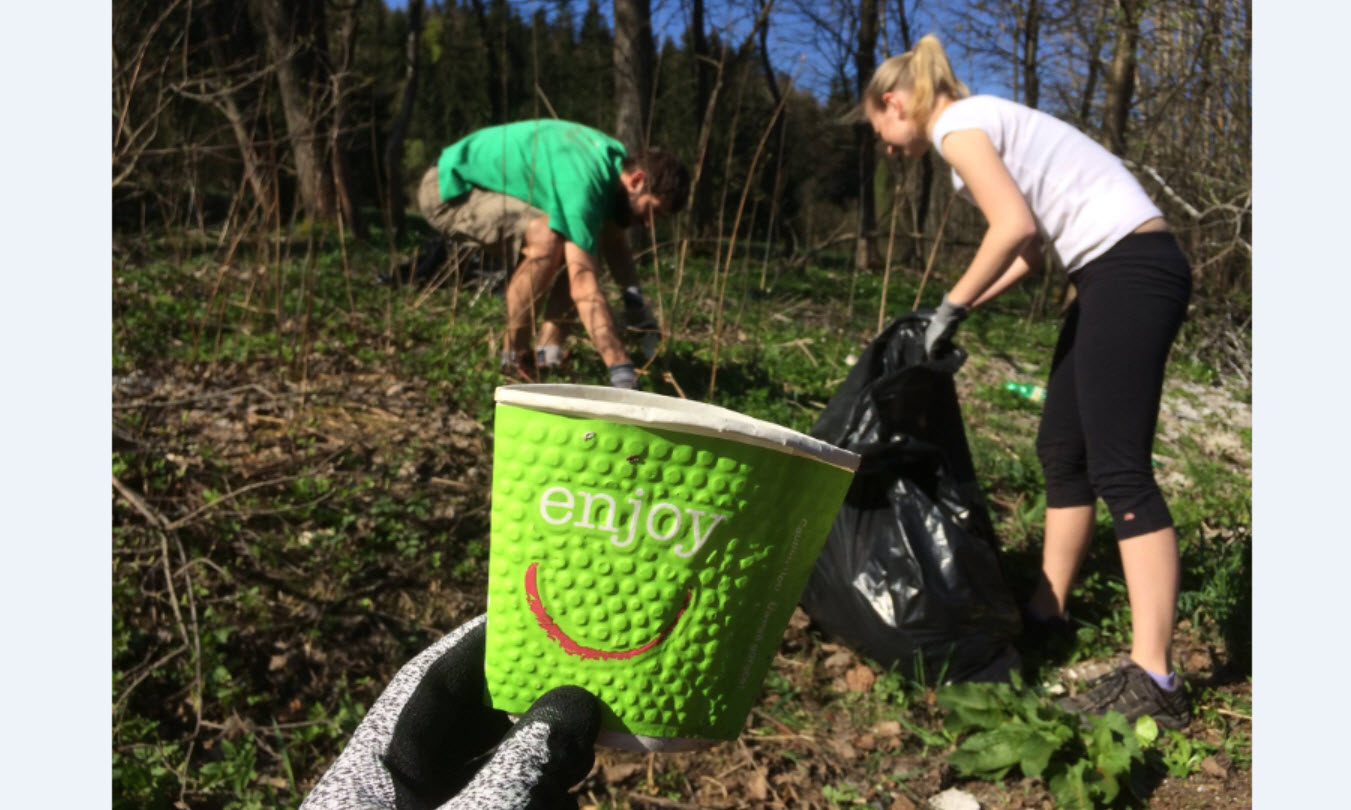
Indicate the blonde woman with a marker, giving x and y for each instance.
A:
(1040, 182)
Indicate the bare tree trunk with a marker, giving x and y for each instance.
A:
(394, 200)
(228, 104)
(497, 74)
(703, 61)
(771, 81)
(865, 60)
(633, 55)
(297, 42)
(1092, 68)
(342, 176)
(707, 75)
(136, 76)
(1205, 72)
(1205, 65)
(1121, 76)
(770, 180)
(1031, 33)
(926, 161)
(253, 169)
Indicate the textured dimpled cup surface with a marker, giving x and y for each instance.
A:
(651, 550)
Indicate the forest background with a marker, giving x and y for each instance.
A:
(261, 113)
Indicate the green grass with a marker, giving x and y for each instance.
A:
(309, 454)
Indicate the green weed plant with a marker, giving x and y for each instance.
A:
(1087, 763)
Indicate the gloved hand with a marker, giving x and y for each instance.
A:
(943, 325)
(424, 742)
(519, 366)
(639, 320)
(623, 375)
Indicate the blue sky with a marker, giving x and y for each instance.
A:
(795, 45)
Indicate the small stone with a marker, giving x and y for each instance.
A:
(758, 786)
(842, 749)
(1212, 767)
(954, 799)
(860, 678)
(1199, 661)
(902, 803)
(838, 662)
(617, 772)
(1086, 671)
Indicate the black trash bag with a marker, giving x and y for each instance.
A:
(420, 268)
(909, 575)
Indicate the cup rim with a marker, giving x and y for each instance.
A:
(645, 409)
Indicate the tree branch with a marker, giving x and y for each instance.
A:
(1192, 211)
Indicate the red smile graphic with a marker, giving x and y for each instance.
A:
(570, 646)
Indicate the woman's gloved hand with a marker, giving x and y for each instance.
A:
(429, 742)
(943, 325)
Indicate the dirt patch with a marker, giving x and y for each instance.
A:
(318, 622)
(835, 755)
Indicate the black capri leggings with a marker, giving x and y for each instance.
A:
(1102, 400)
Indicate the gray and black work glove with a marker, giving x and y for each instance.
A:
(639, 320)
(426, 742)
(623, 375)
(942, 326)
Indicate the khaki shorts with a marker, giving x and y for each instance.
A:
(489, 218)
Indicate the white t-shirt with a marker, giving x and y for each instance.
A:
(1082, 196)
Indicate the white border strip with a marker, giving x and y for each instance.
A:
(657, 411)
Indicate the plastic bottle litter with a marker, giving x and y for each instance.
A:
(1028, 391)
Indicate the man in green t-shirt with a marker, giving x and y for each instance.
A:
(555, 193)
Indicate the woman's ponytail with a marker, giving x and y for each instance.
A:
(924, 71)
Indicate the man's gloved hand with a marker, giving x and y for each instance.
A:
(425, 743)
(943, 325)
(518, 366)
(623, 375)
(639, 320)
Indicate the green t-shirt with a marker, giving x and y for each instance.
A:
(566, 170)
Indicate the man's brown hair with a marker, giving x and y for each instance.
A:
(667, 177)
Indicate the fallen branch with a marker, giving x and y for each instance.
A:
(229, 496)
(933, 251)
(1192, 211)
(657, 801)
(169, 403)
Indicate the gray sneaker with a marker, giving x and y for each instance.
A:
(1130, 690)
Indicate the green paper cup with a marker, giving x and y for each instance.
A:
(651, 550)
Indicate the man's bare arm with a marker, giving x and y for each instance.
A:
(614, 246)
(592, 308)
